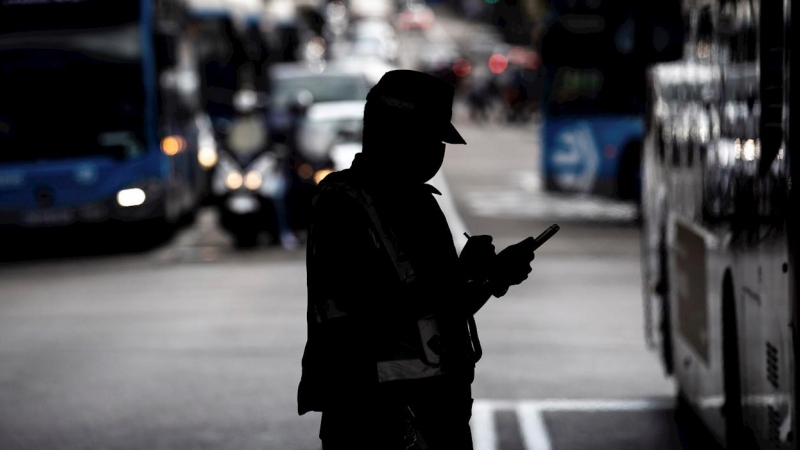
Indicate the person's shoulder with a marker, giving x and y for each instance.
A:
(336, 189)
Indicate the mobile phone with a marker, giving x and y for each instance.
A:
(546, 234)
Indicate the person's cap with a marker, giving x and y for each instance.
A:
(426, 99)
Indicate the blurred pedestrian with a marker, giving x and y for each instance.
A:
(482, 91)
(392, 342)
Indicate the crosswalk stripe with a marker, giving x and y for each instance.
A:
(530, 414)
(534, 430)
(483, 431)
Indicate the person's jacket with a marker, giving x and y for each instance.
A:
(351, 277)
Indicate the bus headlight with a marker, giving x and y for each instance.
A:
(131, 197)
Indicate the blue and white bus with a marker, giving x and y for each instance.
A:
(595, 55)
(99, 113)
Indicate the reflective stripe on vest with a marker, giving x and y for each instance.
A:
(405, 369)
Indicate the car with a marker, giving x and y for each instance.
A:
(373, 68)
(441, 60)
(362, 9)
(374, 37)
(415, 16)
(305, 103)
(323, 81)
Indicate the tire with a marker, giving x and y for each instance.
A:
(736, 435)
(667, 351)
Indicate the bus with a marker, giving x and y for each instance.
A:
(99, 114)
(719, 236)
(595, 54)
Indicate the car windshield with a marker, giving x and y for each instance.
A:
(87, 96)
(323, 88)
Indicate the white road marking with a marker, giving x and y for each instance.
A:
(534, 430)
(531, 419)
(483, 429)
(525, 199)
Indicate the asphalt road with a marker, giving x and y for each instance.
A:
(196, 345)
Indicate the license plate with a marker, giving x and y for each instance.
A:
(46, 217)
(243, 204)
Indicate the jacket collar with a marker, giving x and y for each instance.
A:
(377, 177)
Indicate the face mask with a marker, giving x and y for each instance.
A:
(424, 162)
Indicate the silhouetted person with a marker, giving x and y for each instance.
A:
(392, 344)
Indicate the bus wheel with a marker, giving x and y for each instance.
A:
(662, 289)
(732, 410)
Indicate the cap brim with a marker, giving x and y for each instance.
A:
(451, 135)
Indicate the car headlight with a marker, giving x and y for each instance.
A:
(227, 175)
(247, 135)
(265, 176)
(245, 100)
(253, 180)
(233, 180)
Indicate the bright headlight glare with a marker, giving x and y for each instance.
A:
(131, 197)
(321, 174)
(245, 100)
(207, 156)
(172, 145)
(252, 180)
(233, 180)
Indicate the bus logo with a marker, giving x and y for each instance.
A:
(576, 158)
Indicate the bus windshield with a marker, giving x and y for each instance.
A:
(594, 91)
(83, 88)
(592, 65)
(22, 16)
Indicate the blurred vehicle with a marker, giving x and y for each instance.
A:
(593, 104)
(251, 180)
(336, 19)
(367, 9)
(249, 183)
(325, 127)
(719, 241)
(288, 31)
(441, 60)
(99, 117)
(372, 68)
(374, 37)
(415, 16)
(306, 104)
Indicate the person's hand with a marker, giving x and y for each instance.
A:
(512, 265)
(477, 257)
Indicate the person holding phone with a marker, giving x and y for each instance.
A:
(392, 343)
